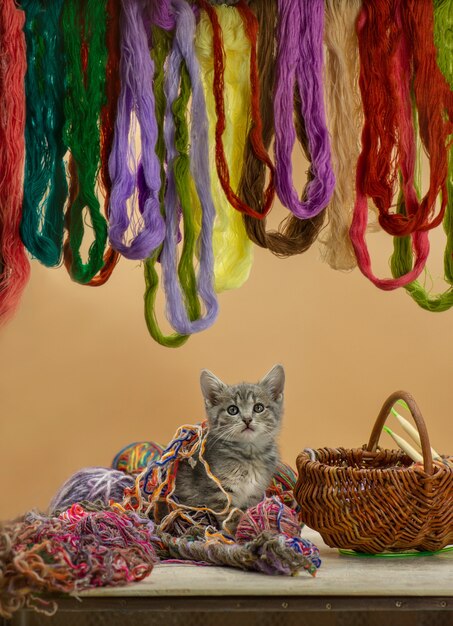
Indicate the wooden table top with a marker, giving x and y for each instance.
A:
(338, 575)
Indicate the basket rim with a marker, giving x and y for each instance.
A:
(304, 457)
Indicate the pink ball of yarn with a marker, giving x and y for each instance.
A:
(269, 515)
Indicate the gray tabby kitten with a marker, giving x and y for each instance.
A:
(241, 445)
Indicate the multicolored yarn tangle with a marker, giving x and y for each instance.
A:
(233, 251)
(152, 494)
(134, 457)
(146, 230)
(92, 484)
(267, 553)
(14, 265)
(273, 546)
(299, 63)
(80, 549)
(269, 515)
(45, 186)
(84, 34)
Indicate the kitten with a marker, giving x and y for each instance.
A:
(241, 444)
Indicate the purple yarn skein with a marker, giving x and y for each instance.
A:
(90, 485)
(184, 49)
(162, 15)
(300, 58)
(137, 70)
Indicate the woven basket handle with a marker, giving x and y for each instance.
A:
(419, 422)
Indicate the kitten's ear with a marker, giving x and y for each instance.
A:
(211, 387)
(274, 382)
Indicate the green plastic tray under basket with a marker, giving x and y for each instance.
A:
(374, 500)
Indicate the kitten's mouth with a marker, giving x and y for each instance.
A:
(248, 428)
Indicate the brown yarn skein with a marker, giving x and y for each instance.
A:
(294, 235)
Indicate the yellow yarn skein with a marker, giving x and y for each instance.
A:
(233, 251)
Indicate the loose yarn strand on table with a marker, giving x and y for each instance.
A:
(84, 33)
(14, 265)
(147, 230)
(45, 186)
(233, 251)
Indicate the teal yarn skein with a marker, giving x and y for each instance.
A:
(45, 186)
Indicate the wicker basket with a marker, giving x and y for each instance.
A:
(373, 500)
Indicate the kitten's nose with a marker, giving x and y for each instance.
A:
(247, 420)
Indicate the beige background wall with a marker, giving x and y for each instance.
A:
(80, 377)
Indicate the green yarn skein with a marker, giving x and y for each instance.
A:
(84, 31)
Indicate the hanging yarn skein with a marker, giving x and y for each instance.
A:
(345, 121)
(383, 135)
(294, 235)
(108, 116)
(401, 259)
(233, 251)
(183, 306)
(14, 265)
(250, 29)
(147, 230)
(183, 68)
(161, 45)
(45, 186)
(299, 62)
(84, 32)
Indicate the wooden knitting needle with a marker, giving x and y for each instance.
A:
(405, 446)
(413, 434)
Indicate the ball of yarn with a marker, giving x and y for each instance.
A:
(92, 484)
(284, 478)
(269, 515)
(282, 486)
(134, 457)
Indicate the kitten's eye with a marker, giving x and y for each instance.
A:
(233, 410)
(258, 408)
